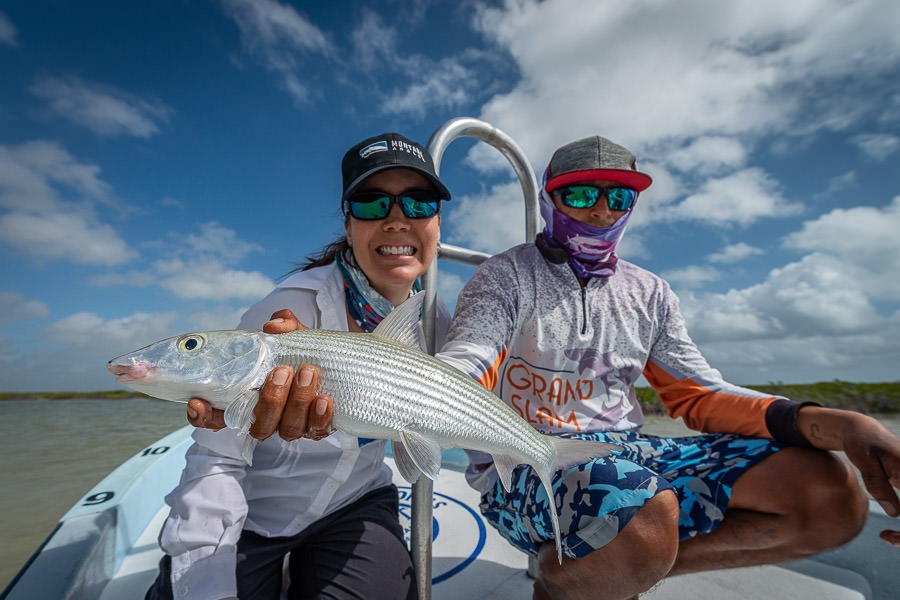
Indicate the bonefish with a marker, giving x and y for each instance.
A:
(382, 385)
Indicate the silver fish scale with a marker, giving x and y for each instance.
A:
(380, 386)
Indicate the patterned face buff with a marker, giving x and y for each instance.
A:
(591, 250)
(366, 305)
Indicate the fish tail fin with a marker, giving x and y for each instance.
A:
(569, 453)
(545, 477)
(239, 415)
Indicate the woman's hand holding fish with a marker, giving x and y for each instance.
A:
(288, 402)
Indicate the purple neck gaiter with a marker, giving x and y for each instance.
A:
(591, 250)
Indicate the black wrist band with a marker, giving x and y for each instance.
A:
(781, 419)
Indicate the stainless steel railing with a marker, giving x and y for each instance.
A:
(423, 489)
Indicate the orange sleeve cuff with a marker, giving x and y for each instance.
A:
(706, 410)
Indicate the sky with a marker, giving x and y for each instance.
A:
(163, 164)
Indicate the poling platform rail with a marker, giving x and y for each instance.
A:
(422, 490)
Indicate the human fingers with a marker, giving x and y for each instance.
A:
(878, 470)
(875, 451)
(283, 321)
(201, 414)
(272, 398)
(294, 423)
(891, 537)
(320, 416)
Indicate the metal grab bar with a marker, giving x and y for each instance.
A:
(423, 489)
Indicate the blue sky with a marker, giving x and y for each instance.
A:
(163, 164)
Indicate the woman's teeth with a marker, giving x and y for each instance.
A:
(396, 250)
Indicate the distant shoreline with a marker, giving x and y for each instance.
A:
(98, 395)
(868, 398)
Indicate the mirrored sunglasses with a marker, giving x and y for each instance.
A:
(586, 196)
(374, 205)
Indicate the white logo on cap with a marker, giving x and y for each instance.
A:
(372, 149)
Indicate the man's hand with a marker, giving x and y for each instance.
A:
(891, 537)
(868, 444)
(288, 402)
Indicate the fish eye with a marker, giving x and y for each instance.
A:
(190, 343)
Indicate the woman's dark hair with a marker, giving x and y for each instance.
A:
(325, 256)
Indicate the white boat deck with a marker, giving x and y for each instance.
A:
(106, 548)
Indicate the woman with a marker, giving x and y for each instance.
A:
(329, 503)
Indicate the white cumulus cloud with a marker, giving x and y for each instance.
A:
(691, 69)
(50, 198)
(65, 237)
(865, 239)
(199, 266)
(7, 31)
(14, 307)
(735, 253)
(877, 145)
(740, 198)
(210, 279)
(691, 276)
(102, 108)
(493, 220)
(281, 37)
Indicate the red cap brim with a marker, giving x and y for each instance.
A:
(633, 179)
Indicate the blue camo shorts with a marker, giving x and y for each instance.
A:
(596, 500)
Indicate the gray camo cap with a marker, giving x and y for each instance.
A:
(594, 158)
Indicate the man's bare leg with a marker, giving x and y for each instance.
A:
(795, 503)
(632, 563)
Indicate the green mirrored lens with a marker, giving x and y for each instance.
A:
(415, 204)
(580, 196)
(586, 196)
(370, 210)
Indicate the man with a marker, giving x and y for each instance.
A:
(561, 329)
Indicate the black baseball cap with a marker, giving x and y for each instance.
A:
(383, 152)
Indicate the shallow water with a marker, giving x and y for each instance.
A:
(53, 451)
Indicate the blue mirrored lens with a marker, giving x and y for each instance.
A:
(418, 209)
(586, 196)
(620, 198)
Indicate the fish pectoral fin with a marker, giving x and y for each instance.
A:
(405, 464)
(505, 466)
(402, 323)
(239, 414)
(425, 453)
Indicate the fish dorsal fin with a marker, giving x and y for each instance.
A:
(404, 462)
(505, 466)
(402, 324)
(425, 453)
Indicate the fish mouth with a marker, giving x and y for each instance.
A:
(396, 250)
(126, 373)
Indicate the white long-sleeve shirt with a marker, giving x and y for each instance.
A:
(290, 485)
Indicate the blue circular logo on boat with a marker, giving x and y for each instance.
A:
(467, 527)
